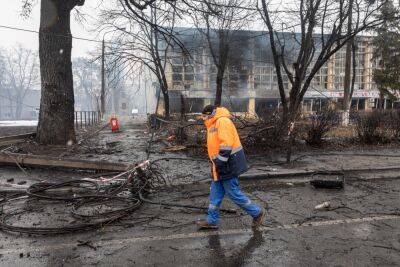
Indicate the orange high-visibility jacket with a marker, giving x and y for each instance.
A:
(224, 147)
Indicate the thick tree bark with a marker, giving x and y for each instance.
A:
(166, 102)
(218, 93)
(290, 116)
(56, 117)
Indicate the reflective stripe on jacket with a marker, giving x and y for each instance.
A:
(224, 148)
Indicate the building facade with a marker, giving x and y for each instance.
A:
(250, 82)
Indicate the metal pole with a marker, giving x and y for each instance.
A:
(85, 119)
(145, 93)
(102, 95)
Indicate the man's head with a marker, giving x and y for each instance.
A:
(208, 111)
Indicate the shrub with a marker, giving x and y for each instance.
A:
(320, 125)
(391, 123)
(396, 124)
(370, 127)
(268, 133)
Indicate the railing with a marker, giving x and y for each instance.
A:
(84, 119)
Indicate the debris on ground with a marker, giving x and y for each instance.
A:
(95, 202)
(174, 148)
(39, 206)
(323, 206)
(86, 243)
(46, 161)
(328, 184)
(328, 179)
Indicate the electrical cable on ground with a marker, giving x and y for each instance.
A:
(90, 194)
(92, 203)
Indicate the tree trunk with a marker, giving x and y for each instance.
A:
(56, 117)
(218, 93)
(289, 122)
(116, 98)
(166, 102)
(347, 71)
(381, 101)
(18, 110)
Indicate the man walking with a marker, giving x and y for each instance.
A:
(228, 162)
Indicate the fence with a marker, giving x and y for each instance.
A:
(87, 118)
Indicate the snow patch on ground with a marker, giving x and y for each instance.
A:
(17, 123)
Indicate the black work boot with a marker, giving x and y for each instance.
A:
(204, 225)
(258, 221)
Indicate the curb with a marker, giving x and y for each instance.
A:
(287, 174)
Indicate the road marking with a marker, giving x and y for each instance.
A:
(203, 234)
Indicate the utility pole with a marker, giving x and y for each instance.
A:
(145, 93)
(347, 70)
(102, 94)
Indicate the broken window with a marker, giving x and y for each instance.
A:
(236, 104)
(189, 77)
(177, 68)
(176, 77)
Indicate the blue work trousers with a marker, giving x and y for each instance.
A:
(230, 187)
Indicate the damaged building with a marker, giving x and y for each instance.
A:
(250, 82)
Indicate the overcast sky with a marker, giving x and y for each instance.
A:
(10, 16)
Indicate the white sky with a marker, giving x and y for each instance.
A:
(10, 16)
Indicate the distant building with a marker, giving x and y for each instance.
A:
(250, 83)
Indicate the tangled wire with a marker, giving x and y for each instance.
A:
(91, 203)
(84, 195)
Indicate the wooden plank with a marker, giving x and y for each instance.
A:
(17, 137)
(11, 142)
(11, 159)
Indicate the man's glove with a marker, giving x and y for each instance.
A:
(222, 166)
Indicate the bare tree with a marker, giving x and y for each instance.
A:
(56, 117)
(87, 82)
(116, 77)
(218, 21)
(386, 53)
(2, 78)
(21, 73)
(144, 38)
(314, 31)
(347, 94)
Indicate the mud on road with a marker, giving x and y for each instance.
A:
(361, 228)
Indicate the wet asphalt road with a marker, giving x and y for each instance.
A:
(361, 229)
